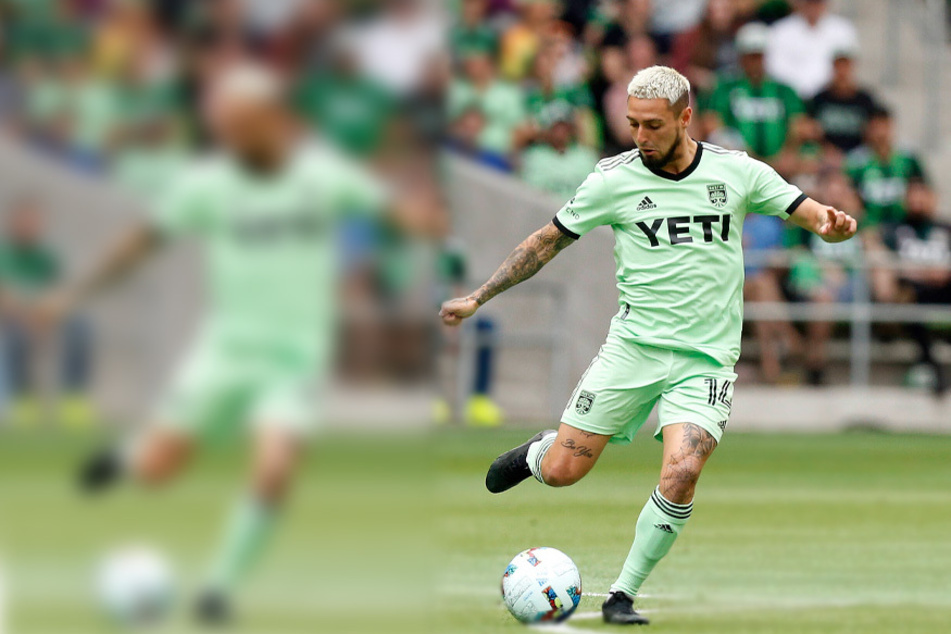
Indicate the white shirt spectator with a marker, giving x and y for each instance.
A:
(801, 55)
(398, 52)
(677, 16)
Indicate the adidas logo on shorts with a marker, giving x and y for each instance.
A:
(646, 204)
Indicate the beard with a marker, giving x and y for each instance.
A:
(660, 162)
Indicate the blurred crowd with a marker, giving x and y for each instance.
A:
(535, 88)
(114, 89)
(539, 90)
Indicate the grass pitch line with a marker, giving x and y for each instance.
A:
(562, 628)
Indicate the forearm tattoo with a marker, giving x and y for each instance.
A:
(525, 261)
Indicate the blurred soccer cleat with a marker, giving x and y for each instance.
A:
(481, 411)
(619, 610)
(213, 609)
(100, 471)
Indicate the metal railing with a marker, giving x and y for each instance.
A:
(861, 313)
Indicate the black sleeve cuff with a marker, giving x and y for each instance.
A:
(565, 230)
(795, 204)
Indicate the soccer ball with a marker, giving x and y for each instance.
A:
(135, 586)
(541, 584)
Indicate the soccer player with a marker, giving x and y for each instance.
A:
(676, 207)
(265, 209)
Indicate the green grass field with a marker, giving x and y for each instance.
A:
(846, 533)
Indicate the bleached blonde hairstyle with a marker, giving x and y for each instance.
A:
(660, 82)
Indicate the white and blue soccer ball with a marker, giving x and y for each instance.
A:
(135, 586)
(541, 585)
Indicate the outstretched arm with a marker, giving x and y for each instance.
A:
(120, 259)
(826, 222)
(525, 261)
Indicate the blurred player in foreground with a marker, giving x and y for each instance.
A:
(265, 209)
(676, 207)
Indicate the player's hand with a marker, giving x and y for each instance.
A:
(455, 310)
(838, 226)
(49, 310)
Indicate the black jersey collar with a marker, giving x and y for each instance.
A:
(682, 175)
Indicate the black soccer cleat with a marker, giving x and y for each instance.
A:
(100, 472)
(511, 467)
(619, 610)
(212, 609)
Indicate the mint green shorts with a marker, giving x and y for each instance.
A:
(219, 390)
(626, 380)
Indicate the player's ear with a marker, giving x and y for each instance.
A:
(686, 116)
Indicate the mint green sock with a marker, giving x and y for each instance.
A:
(658, 526)
(248, 531)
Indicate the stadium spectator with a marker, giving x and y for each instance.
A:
(398, 47)
(28, 268)
(348, 108)
(762, 240)
(472, 32)
(673, 22)
(922, 245)
(710, 49)
(547, 97)
(842, 108)
(522, 40)
(801, 46)
(500, 104)
(764, 111)
(558, 164)
(641, 52)
(880, 172)
(824, 273)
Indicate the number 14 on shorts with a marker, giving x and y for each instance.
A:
(718, 391)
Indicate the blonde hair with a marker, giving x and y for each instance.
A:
(659, 82)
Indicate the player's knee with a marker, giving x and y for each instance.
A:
(272, 481)
(155, 470)
(679, 480)
(562, 473)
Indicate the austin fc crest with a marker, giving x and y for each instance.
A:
(584, 403)
(717, 194)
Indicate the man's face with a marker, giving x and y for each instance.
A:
(25, 225)
(753, 65)
(843, 69)
(878, 132)
(920, 201)
(249, 129)
(657, 129)
(812, 10)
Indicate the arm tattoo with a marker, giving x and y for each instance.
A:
(525, 261)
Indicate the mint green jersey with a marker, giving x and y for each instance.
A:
(678, 242)
(270, 242)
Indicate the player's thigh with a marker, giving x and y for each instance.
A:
(699, 391)
(208, 397)
(618, 390)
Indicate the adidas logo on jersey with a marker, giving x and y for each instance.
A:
(646, 204)
(664, 527)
